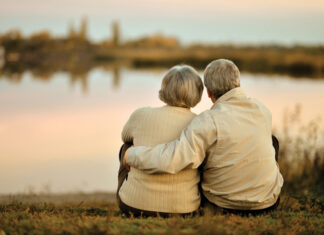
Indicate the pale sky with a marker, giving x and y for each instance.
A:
(165, 8)
(283, 21)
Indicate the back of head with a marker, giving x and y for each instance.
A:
(221, 76)
(181, 87)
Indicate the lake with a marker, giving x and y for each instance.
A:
(62, 133)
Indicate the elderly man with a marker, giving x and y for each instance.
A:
(233, 143)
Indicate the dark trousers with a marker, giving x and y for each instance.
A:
(206, 203)
(128, 210)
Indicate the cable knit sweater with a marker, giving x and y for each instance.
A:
(171, 193)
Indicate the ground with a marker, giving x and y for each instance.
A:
(299, 212)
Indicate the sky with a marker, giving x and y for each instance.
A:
(210, 21)
(164, 8)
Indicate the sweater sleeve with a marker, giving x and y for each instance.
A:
(188, 151)
(130, 126)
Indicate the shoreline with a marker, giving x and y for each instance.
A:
(44, 55)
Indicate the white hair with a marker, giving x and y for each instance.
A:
(221, 76)
(181, 86)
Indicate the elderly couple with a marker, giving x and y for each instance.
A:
(224, 159)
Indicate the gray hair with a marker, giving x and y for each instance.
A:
(221, 76)
(181, 86)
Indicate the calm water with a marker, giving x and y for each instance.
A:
(63, 134)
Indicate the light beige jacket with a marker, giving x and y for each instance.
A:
(177, 193)
(234, 139)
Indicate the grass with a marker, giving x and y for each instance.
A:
(301, 213)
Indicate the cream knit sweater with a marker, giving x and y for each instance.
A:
(172, 193)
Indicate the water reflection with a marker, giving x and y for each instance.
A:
(75, 77)
(116, 80)
(65, 132)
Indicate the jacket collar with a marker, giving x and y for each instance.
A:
(236, 93)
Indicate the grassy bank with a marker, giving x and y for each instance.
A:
(299, 213)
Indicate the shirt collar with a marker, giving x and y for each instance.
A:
(236, 93)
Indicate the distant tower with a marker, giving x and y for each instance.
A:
(84, 28)
(115, 33)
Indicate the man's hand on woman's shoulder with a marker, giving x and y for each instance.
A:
(123, 154)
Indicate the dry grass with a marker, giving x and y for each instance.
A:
(296, 215)
(301, 156)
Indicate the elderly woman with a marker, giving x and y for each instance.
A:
(163, 194)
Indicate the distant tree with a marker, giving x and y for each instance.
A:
(38, 43)
(12, 40)
(154, 41)
(115, 33)
(41, 36)
(12, 35)
(83, 34)
(71, 33)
